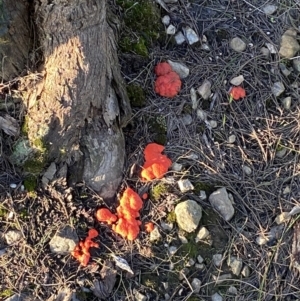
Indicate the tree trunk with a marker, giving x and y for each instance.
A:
(79, 103)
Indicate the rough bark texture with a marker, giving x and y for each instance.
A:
(79, 103)
(15, 42)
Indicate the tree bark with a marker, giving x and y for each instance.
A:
(79, 103)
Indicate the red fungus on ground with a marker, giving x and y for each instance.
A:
(168, 83)
(104, 215)
(156, 164)
(149, 227)
(82, 250)
(237, 92)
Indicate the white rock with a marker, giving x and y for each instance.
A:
(282, 218)
(237, 44)
(182, 238)
(155, 235)
(188, 214)
(196, 284)
(271, 49)
(200, 259)
(13, 185)
(190, 263)
(277, 88)
(236, 81)
(202, 115)
(265, 51)
(166, 20)
(296, 64)
(220, 201)
(182, 70)
(172, 250)
(289, 45)
(247, 170)
(185, 185)
(231, 139)
(295, 210)
(179, 38)
(176, 167)
(10, 215)
(202, 234)
(13, 236)
(139, 296)
(286, 102)
(235, 264)
(216, 297)
(217, 259)
(232, 290)
(269, 9)
(202, 195)
(261, 240)
(213, 124)
(171, 30)
(200, 266)
(205, 89)
(286, 190)
(205, 47)
(166, 226)
(187, 119)
(246, 271)
(190, 35)
(194, 99)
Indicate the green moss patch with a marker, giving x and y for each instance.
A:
(157, 191)
(136, 95)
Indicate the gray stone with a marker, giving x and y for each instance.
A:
(235, 264)
(232, 290)
(155, 235)
(246, 271)
(185, 185)
(289, 46)
(247, 170)
(200, 266)
(205, 89)
(196, 284)
(188, 215)
(195, 100)
(286, 102)
(202, 234)
(13, 236)
(216, 297)
(190, 263)
(166, 20)
(277, 88)
(269, 9)
(49, 174)
(281, 153)
(285, 71)
(182, 70)
(265, 51)
(237, 44)
(187, 119)
(220, 201)
(176, 167)
(282, 218)
(231, 139)
(200, 259)
(213, 124)
(171, 30)
(236, 81)
(64, 241)
(182, 238)
(220, 278)
(172, 250)
(201, 114)
(217, 259)
(166, 226)
(296, 64)
(286, 190)
(179, 38)
(190, 35)
(139, 296)
(202, 195)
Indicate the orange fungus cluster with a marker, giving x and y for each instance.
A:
(168, 83)
(125, 223)
(156, 164)
(237, 92)
(82, 250)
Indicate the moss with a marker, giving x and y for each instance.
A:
(135, 45)
(151, 280)
(171, 217)
(158, 127)
(136, 95)
(190, 249)
(3, 212)
(6, 293)
(34, 166)
(30, 183)
(187, 109)
(84, 296)
(23, 214)
(208, 188)
(157, 191)
(25, 127)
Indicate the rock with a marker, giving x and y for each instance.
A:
(196, 284)
(182, 70)
(261, 240)
(295, 210)
(183, 273)
(286, 102)
(194, 99)
(216, 297)
(277, 88)
(286, 190)
(213, 124)
(166, 20)
(187, 119)
(179, 38)
(285, 71)
(246, 271)
(271, 48)
(247, 170)
(139, 296)
(236, 81)
(200, 259)
(13, 185)
(221, 202)
(171, 30)
(155, 235)
(231, 139)
(166, 226)
(185, 185)
(271, 237)
(282, 218)
(176, 167)
(269, 9)
(205, 89)
(200, 266)
(202, 115)
(190, 35)
(188, 215)
(265, 51)
(167, 297)
(205, 47)
(281, 153)
(13, 236)
(182, 238)
(172, 250)
(190, 263)
(202, 234)
(289, 46)
(296, 64)
(237, 44)
(49, 174)
(235, 264)
(202, 195)
(232, 290)
(217, 259)
(64, 241)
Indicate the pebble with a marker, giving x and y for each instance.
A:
(182, 70)
(187, 119)
(196, 284)
(179, 38)
(171, 29)
(166, 226)
(166, 20)
(10, 215)
(13, 185)
(286, 190)
(188, 214)
(232, 290)
(282, 218)
(296, 64)
(231, 139)
(200, 266)
(286, 102)
(289, 46)
(205, 89)
(271, 48)
(202, 195)
(185, 185)
(183, 273)
(49, 174)
(194, 99)
(246, 271)
(217, 259)
(172, 250)
(237, 44)
(190, 263)
(200, 259)
(219, 199)
(176, 167)
(213, 124)
(265, 51)
(277, 88)
(281, 153)
(13, 236)
(155, 234)
(235, 264)
(205, 47)
(216, 297)
(269, 9)
(247, 170)
(139, 296)
(202, 234)
(236, 81)
(285, 71)
(202, 115)
(182, 238)
(190, 35)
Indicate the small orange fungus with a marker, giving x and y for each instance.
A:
(149, 227)
(145, 196)
(237, 92)
(104, 215)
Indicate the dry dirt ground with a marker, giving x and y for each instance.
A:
(262, 128)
